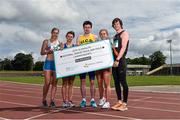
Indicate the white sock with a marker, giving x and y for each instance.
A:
(125, 103)
(84, 99)
(104, 98)
(92, 99)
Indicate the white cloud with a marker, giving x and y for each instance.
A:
(16, 33)
(158, 41)
(24, 24)
(7, 10)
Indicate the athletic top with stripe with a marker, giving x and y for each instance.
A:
(87, 39)
(66, 46)
(54, 46)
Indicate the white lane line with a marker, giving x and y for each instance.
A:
(40, 115)
(79, 87)
(22, 91)
(9, 88)
(105, 115)
(155, 91)
(147, 108)
(156, 109)
(66, 109)
(135, 100)
(141, 99)
(20, 95)
(19, 83)
(21, 87)
(29, 105)
(2, 118)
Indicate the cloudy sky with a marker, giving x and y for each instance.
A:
(24, 24)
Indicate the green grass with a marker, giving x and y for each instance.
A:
(132, 80)
(18, 72)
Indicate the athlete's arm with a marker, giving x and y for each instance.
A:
(61, 46)
(115, 51)
(44, 49)
(125, 38)
(96, 37)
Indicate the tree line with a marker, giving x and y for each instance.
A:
(25, 62)
(21, 62)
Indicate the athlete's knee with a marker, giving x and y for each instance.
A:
(83, 84)
(116, 82)
(54, 84)
(70, 85)
(125, 87)
(47, 83)
(100, 84)
(92, 82)
(64, 83)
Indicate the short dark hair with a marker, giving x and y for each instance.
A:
(54, 29)
(117, 20)
(87, 23)
(71, 32)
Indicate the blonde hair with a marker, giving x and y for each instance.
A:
(104, 30)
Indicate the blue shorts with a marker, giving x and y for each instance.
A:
(91, 75)
(49, 65)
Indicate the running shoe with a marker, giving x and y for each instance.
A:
(83, 104)
(52, 104)
(117, 105)
(123, 107)
(102, 101)
(93, 104)
(44, 104)
(71, 104)
(106, 105)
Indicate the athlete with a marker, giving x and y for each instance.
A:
(121, 41)
(104, 77)
(67, 82)
(48, 46)
(87, 37)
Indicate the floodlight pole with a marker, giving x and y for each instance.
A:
(170, 50)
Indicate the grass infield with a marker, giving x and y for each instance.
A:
(132, 80)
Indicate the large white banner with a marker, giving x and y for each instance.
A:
(84, 58)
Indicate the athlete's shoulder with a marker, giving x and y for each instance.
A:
(80, 37)
(94, 36)
(45, 41)
(125, 33)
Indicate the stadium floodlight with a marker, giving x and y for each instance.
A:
(170, 50)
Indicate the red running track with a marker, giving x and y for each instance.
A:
(22, 101)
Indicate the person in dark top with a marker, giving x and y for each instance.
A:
(120, 48)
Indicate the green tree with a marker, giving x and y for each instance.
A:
(1, 64)
(140, 61)
(7, 64)
(23, 61)
(157, 59)
(144, 61)
(38, 66)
